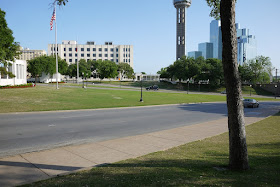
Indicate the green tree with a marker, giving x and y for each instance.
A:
(107, 69)
(84, 69)
(238, 154)
(126, 69)
(46, 64)
(164, 73)
(260, 67)
(8, 48)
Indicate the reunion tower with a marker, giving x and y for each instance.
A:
(181, 6)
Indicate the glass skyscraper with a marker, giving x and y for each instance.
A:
(206, 49)
(216, 38)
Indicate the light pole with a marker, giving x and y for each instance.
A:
(83, 79)
(188, 86)
(250, 89)
(275, 91)
(141, 99)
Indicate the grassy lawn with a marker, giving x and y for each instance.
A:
(183, 86)
(43, 98)
(193, 164)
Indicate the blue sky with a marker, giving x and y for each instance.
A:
(148, 25)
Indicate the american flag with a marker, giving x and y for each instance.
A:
(52, 19)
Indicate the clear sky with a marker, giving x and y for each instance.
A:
(148, 25)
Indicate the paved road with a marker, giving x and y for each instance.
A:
(26, 132)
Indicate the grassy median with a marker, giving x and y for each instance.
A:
(45, 98)
(201, 163)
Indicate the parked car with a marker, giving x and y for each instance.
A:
(251, 103)
(154, 87)
(224, 92)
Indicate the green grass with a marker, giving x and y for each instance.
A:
(44, 98)
(192, 164)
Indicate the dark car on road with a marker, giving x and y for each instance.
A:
(251, 103)
(154, 87)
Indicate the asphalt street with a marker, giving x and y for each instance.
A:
(27, 132)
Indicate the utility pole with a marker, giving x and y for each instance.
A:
(276, 76)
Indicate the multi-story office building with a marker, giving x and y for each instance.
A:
(194, 54)
(246, 45)
(72, 52)
(206, 49)
(216, 38)
(27, 54)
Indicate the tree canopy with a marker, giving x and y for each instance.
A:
(125, 70)
(107, 69)
(8, 47)
(46, 64)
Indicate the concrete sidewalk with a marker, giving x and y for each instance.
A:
(35, 166)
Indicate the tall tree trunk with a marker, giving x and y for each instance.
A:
(238, 156)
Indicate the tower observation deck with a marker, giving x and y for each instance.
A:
(181, 6)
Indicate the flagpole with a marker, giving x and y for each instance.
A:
(56, 51)
(77, 62)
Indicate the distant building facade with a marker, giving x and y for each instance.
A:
(216, 38)
(72, 52)
(28, 54)
(246, 44)
(194, 54)
(206, 49)
(19, 69)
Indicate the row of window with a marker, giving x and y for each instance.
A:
(117, 60)
(93, 49)
(94, 55)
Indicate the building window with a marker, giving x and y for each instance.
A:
(117, 60)
(82, 49)
(112, 49)
(82, 55)
(123, 55)
(64, 54)
(106, 49)
(88, 55)
(70, 54)
(112, 55)
(117, 55)
(94, 59)
(93, 49)
(112, 60)
(70, 49)
(88, 49)
(64, 49)
(94, 55)
(106, 55)
(70, 60)
(76, 60)
(76, 55)
(117, 50)
(100, 55)
(100, 49)
(76, 49)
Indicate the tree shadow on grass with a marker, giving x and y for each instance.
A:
(174, 168)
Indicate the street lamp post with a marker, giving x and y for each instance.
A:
(275, 91)
(141, 99)
(250, 89)
(188, 86)
(83, 79)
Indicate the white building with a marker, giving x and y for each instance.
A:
(145, 77)
(27, 54)
(19, 69)
(72, 52)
